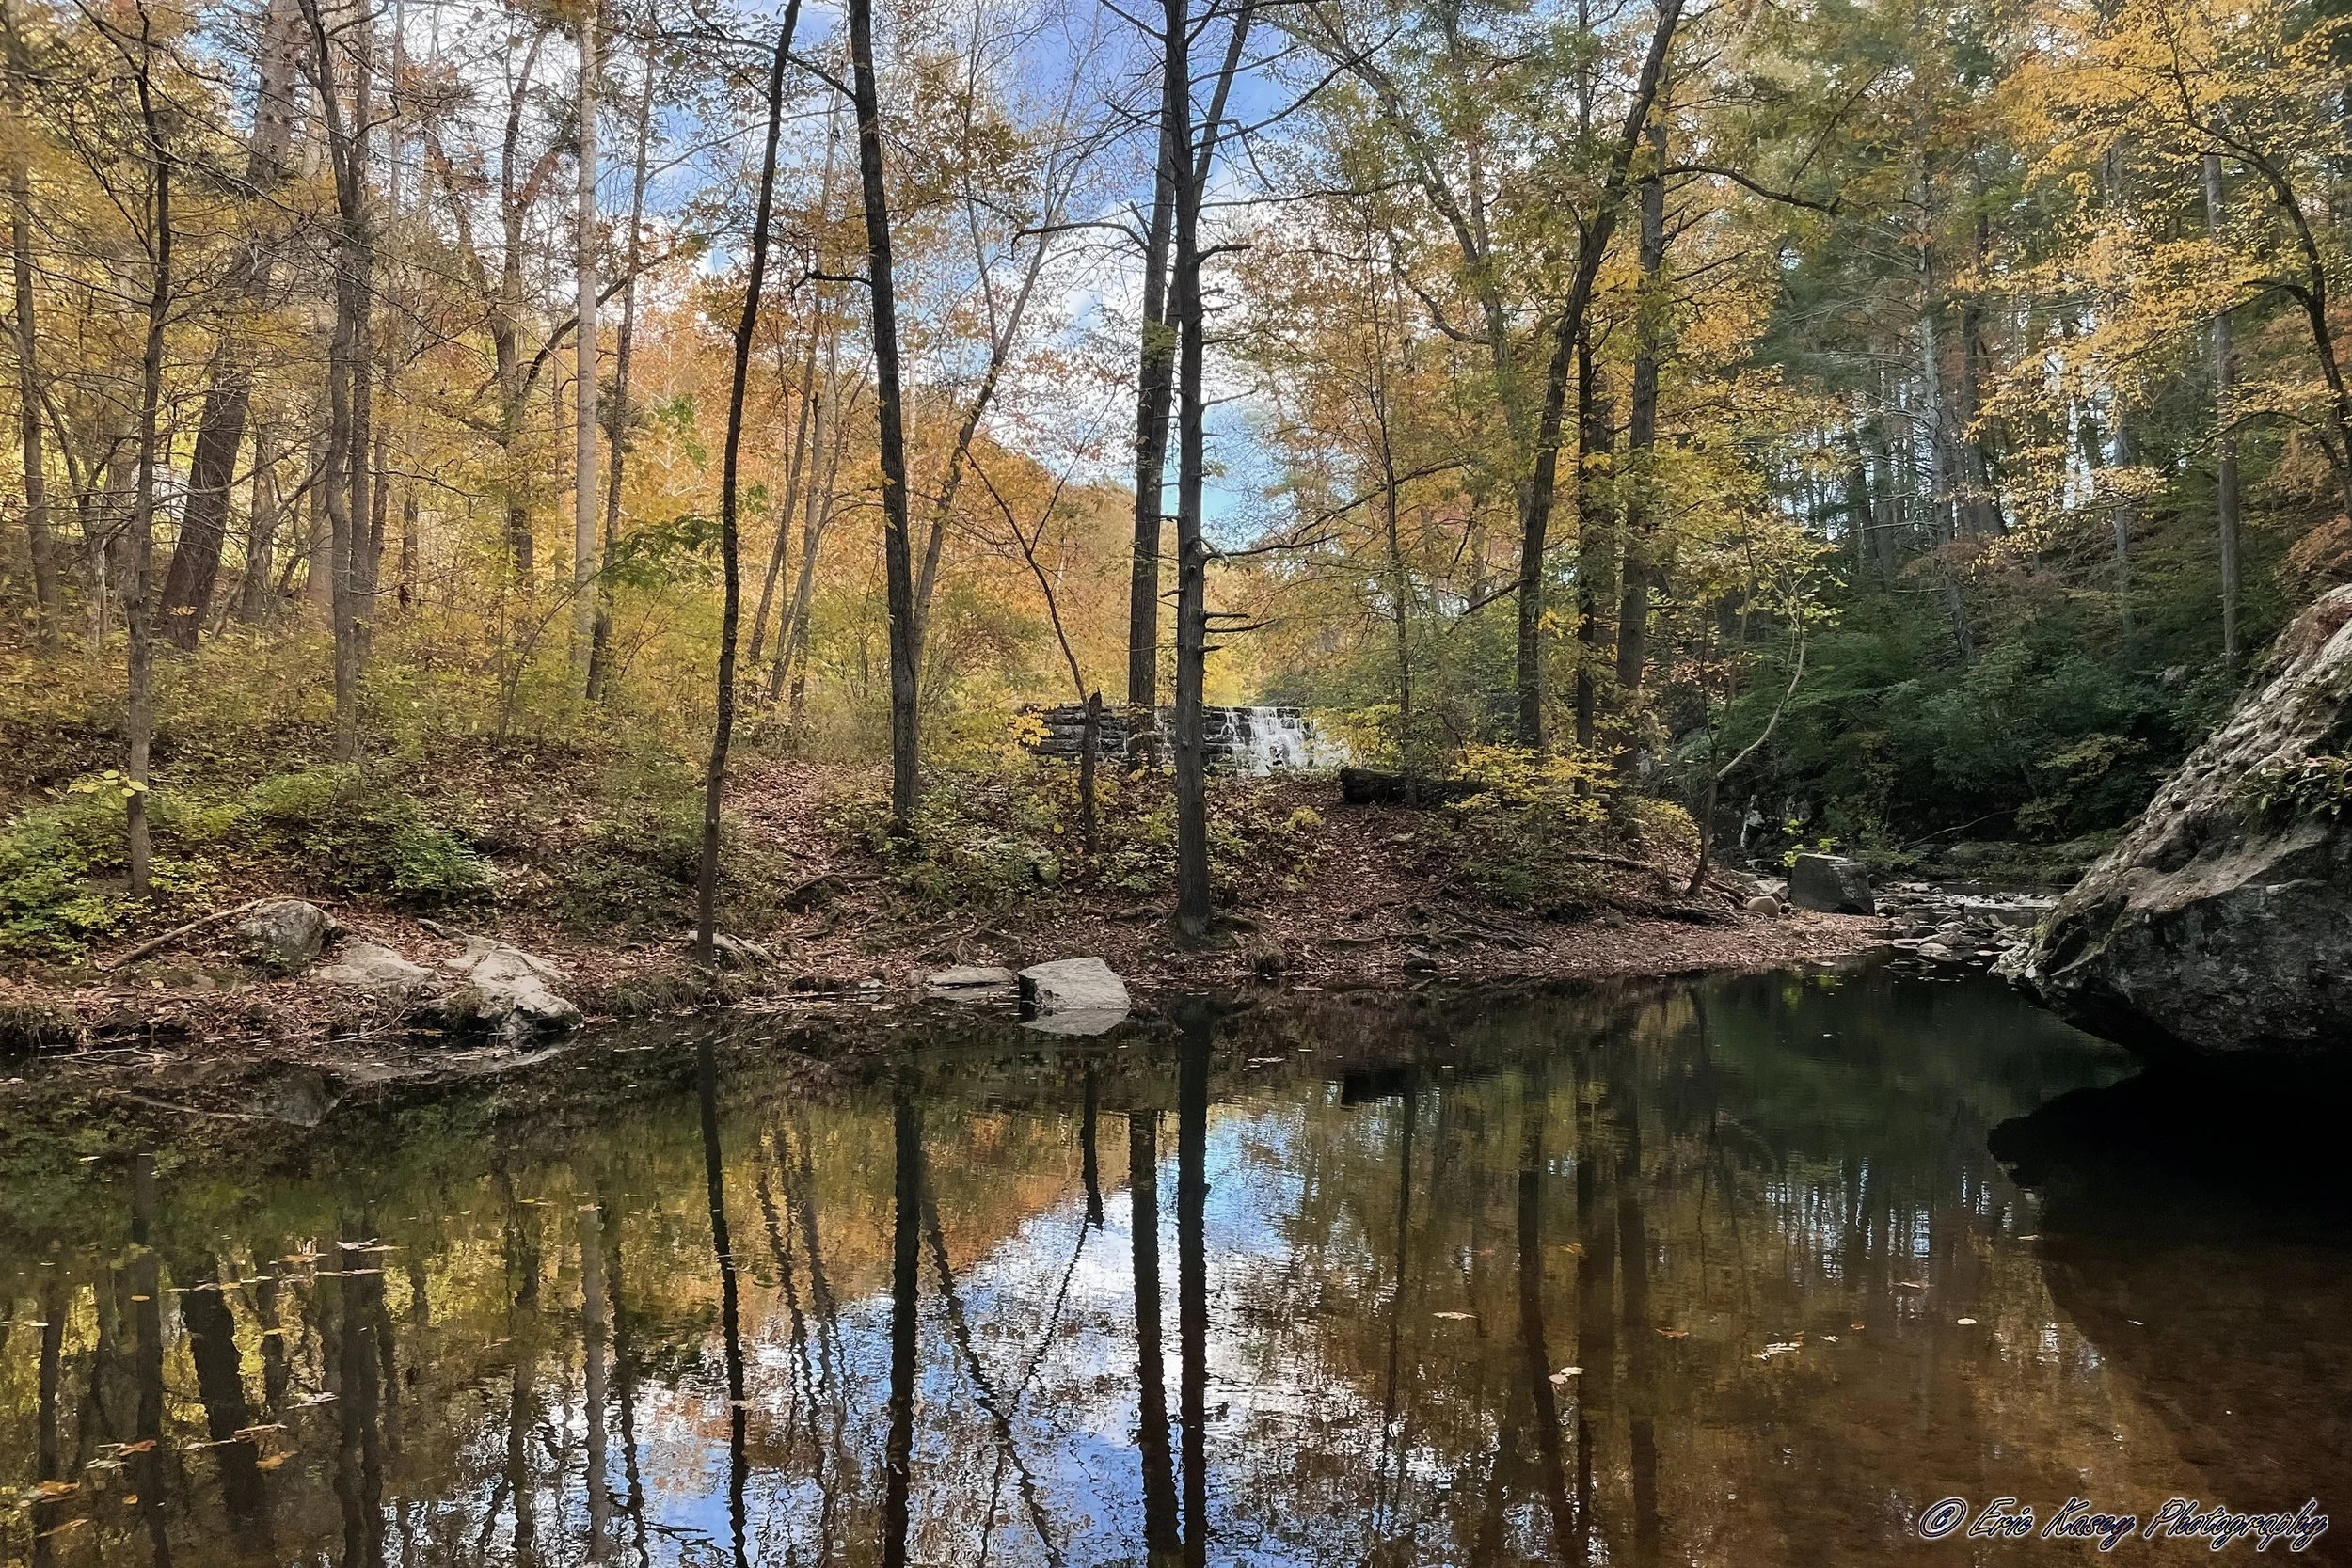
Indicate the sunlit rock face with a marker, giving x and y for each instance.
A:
(2220, 928)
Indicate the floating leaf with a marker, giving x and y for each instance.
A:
(271, 1461)
(1452, 1317)
(57, 1488)
(1966, 1323)
(1674, 1333)
(1561, 1377)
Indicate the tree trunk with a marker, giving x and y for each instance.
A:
(40, 542)
(730, 541)
(1090, 743)
(1595, 544)
(348, 364)
(187, 593)
(2225, 430)
(1642, 565)
(817, 500)
(1154, 388)
(584, 519)
(905, 757)
(794, 474)
(260, 534)
(1192, 560)
(1535, 499)
(141, 673)
(617, 416)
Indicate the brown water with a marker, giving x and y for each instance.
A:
(1712, 1272)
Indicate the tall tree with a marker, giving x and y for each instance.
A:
(1594, 232)
(730, 534)
(584, 521)
(220, 432)
(40, 544)
(890, 412)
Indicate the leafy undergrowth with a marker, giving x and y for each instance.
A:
(1542, 832)
(994, 842)
(576, 842)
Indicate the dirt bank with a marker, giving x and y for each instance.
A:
(1365, 911)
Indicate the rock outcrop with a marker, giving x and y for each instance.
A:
(1832, 884)
(507, 992)
(377, 971)
(1072, 996)
(489, 987)
(2220, 927)
(285, 935)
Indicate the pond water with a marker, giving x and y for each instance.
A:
(1711, 1272)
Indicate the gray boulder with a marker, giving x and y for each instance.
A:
(1832, 884)
(377, 971)
(285, 935)
(1073, 996)
(1763, 903)
(2220, 925)
(508, 993)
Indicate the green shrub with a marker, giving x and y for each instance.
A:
(1507, 844)
(358, 836)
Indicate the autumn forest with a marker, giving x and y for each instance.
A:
(1876, 425)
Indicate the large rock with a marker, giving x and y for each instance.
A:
(1073, 996)
(1832, 884)
(375, 971)
(2217, 928)
(285, 935)
(508, 993)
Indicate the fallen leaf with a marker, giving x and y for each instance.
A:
(1911, 1284)
(69, 1523)
(145, 1445)
(1452, 1317)
(130, 1498)
(1829, 1338)
(1564, 1374)
(1966, 1323)
(249, 1433)
(271, 1461)
(57, 1488)
(1857, 1327)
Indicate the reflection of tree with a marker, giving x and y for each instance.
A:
(45, 1510)
(730, 1303)
(1552, 1453)
(592, 1336)
(1397, 1271)
(352, 1356)
(1192, 1276)
(905, 1280)
(999, 1409)
(220, 1385)
(1163, 1538)
(145, 1275)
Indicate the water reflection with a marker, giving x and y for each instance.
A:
(1703, 1273)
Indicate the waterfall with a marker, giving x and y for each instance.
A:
(1252, 741)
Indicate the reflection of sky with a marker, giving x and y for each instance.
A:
(1072, 1421)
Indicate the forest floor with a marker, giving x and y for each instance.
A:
(1361, 908)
